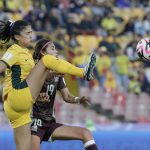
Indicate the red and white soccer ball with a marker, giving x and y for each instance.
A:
(143, 49)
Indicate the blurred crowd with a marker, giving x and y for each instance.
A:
(111, 27)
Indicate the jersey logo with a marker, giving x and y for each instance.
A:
(7, 56)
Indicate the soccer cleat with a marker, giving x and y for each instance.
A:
(88, 69)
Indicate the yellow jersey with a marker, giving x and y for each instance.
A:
(20, 62)
(122, 63)
(103, 64)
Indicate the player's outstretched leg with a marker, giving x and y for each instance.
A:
(75, 133)
(65, 67)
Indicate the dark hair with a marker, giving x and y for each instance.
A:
(9, 29)
(40, 47)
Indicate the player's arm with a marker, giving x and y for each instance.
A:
(3, 66)
(69, 98)
(7, 60)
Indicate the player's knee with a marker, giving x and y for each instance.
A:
(48, 61)
(87, 135)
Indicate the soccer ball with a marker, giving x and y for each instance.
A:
(143, 49)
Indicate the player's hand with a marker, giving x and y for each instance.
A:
(43, 97)
(84, 100)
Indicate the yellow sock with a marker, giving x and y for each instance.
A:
(62, 66)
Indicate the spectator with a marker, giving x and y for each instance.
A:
(134, 84)
(129, 27)
(73, 41)
(123, 3)
(88, 25)
(79, 61)
(72, 23)
(146, 23)
(103, 65)
(139, 26)
(109, 23)
(121, 65)
(55, 18)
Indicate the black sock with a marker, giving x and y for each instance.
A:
(92, 147)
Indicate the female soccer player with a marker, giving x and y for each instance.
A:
(24, 79)
(44, 126)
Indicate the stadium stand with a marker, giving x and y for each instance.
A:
(49, 19)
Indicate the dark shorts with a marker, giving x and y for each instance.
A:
(44, 129)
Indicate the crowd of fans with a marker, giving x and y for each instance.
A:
(115, 25)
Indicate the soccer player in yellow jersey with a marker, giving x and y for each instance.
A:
(24, 79)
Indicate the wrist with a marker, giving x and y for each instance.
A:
(77, 100)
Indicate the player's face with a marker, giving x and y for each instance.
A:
(25, 37)
(51, 50)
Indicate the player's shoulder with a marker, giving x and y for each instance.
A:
(62, 79)
(13, 49)
(10, 52)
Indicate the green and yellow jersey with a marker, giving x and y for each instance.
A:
(20, 62)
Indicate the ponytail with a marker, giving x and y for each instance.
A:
(5, 31)
(9, 29)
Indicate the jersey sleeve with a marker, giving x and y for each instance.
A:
(61, 84)
(9, 58)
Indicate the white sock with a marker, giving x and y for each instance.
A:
(88, 143)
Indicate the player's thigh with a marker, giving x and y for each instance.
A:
(36, 78)
(22, 137)
(35, 142)
(71, 133)
(17, 119)
(20, 100)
